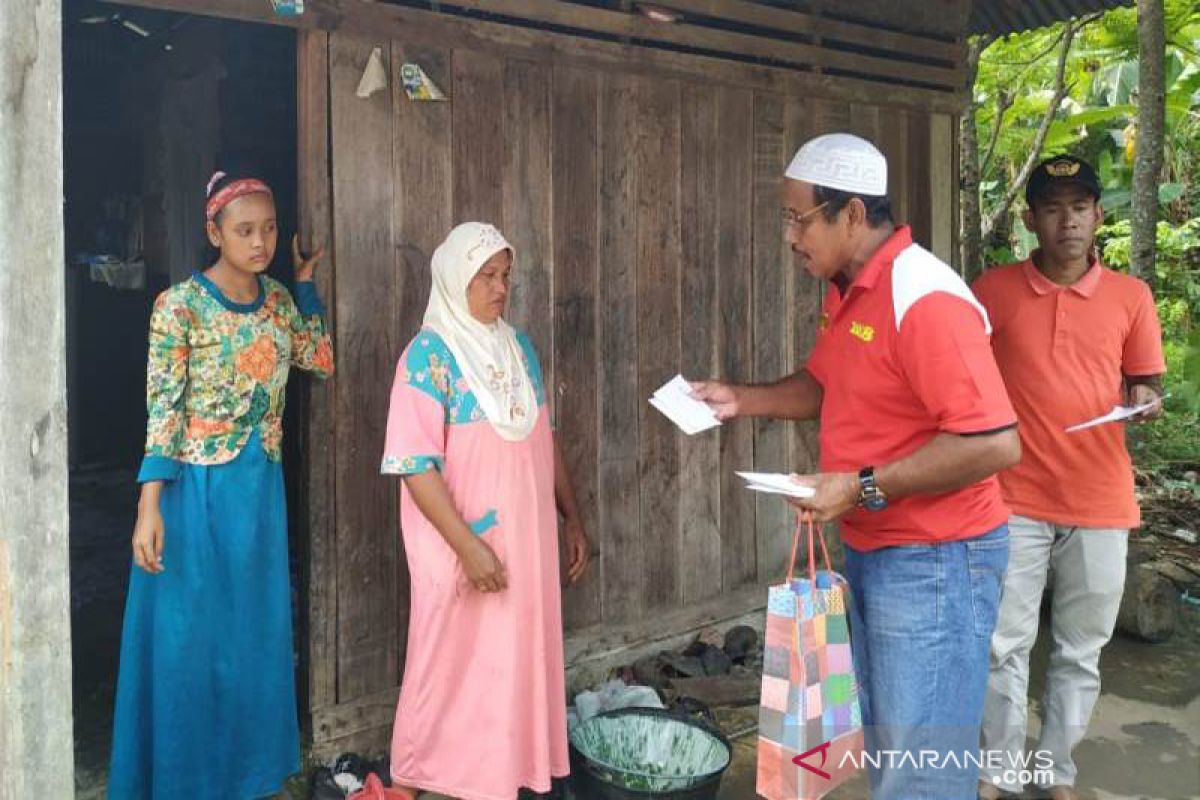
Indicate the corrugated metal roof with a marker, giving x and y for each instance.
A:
(1009, 16)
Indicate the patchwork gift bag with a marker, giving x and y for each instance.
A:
(810, 735)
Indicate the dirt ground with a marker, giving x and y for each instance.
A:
(103, 509)
(1144, 741)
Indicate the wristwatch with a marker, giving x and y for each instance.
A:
(870, 496)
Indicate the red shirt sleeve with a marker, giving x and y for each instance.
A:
(945, 353)
(1143, 354)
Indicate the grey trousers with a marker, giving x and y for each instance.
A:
(1089, 578)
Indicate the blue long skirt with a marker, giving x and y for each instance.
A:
(206, 696)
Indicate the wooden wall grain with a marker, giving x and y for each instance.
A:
(646, 220)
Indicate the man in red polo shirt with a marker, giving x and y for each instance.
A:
(1072, 339)
(915, 423)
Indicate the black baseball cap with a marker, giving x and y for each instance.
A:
(1058, 171)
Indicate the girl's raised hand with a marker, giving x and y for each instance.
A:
(304, 266)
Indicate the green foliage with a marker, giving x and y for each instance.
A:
(1169, 443)
(1098, 121)
(1178, 255)
(1177, 269)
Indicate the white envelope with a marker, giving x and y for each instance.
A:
(1117, 414)
(775, 483)
(675, 401)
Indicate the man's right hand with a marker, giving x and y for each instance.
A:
(725, 399)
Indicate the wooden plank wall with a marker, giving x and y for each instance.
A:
(646, 219)
(787, 36)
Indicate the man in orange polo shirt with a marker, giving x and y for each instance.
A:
(1072, 339)
(915, 423)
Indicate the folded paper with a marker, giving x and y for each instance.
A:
(418, 85)
(374, 77)
(674, 399)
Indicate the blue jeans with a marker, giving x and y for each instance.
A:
(921, 620)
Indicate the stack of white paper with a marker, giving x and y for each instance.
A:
(674, 399)
(1117, 414)
(775, 483)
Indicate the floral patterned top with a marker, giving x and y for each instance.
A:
(428, 366)
(217, 370)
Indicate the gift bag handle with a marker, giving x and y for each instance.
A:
(804, 519)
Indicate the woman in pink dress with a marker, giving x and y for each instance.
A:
(482, 711)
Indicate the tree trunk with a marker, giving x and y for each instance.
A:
(970, 218)
(1147, 163)
(1061, 89)
(36, 757)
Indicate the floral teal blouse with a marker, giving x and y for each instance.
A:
(217, 370)
(429, 366)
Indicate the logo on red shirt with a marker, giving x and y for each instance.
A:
(862, 331)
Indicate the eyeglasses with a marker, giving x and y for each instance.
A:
(801, 221)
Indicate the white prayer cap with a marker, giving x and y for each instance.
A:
(841, 161)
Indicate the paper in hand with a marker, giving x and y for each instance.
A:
(775, 483)
(1117, 414)
(674, 399)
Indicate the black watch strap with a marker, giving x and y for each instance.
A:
(870, 496)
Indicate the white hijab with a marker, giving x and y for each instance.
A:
(489, 356)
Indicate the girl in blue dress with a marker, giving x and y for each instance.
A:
(206, 699)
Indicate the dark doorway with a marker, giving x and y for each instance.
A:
(154, 102)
